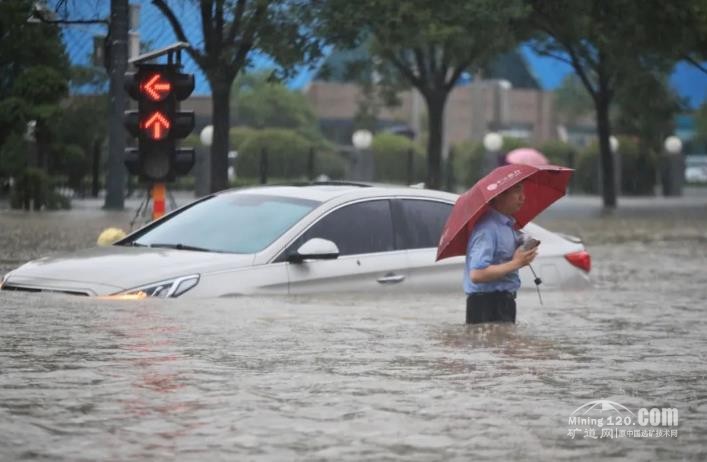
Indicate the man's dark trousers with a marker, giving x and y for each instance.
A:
(490, 307)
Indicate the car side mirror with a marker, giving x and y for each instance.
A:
(315, 249)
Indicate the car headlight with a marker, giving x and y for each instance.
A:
(170, 288)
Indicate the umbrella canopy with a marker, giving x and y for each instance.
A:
(526, 156)
(542, 185)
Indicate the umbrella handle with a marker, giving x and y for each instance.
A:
(537, 281)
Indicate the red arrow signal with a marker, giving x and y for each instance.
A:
(155, 88)
(157, 126)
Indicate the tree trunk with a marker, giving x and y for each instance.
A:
(221, 97)
(606, 156)
(435, 110)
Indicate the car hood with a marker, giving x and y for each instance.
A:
(107, 270)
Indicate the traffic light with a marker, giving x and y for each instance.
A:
(158, 123)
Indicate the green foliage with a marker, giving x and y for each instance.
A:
(647, 107)
(424, 45)
(468, 163)
(616, 46)
(558, 153)
(238, 135)
(288, 156)
(232, 33)
(33, 68)
(13, 117)
(469, 159)
(72, 161)
(13, 156)
(604, 40)
(639, 167)
(586, 175)
(259, 103)
(33, 189)
(26, 45)
(572, 100)
(509, 144)
(40, 85)
(469, 156)
(391, 153)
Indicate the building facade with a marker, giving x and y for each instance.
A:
(472, 111)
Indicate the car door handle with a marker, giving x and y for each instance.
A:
(391, 278)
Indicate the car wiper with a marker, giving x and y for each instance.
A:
(132, 244)
(180, 247)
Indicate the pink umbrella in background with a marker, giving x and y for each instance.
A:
(526, 156)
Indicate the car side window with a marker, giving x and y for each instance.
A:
(424, 221)
(364, 227)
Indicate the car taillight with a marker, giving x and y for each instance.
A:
(581, 260)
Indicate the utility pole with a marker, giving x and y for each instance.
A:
(118, 45)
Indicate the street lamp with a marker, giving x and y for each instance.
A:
(493, 143)
(614, 144)
(362, 139)
(207, 135)
(673, 171)
(673, 145)
(202, 165)
(362, 167)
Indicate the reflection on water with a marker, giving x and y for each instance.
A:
(352, 378)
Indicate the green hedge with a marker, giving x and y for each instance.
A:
(586, 175)
(288, 154)
(638, 166)
(391, 153)
(469, 158)
(468, 162)
(559, 153)
(34, 188)
(638, 169)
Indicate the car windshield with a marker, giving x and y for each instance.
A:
(235, 223)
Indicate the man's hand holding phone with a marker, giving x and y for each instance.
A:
(526, 253)
(530, 243)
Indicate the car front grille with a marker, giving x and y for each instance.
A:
(34, 289)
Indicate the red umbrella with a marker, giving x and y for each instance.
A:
(542, 185)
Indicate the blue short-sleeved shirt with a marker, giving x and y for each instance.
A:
(493, 241)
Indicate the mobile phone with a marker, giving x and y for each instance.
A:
(531, 243)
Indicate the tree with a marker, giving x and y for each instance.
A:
(646, 108)
(428, 43)
(607, 43)
(232, 30)
(572, 101)
(259, 102)
(34, 68)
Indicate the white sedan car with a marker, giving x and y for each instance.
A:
(289, 240)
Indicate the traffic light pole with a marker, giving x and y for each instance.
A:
(159, 191)
(118, 37)
(158, 124)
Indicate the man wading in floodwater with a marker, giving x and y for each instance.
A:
(482, 225)
(493, 259)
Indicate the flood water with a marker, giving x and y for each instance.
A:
(356, 378)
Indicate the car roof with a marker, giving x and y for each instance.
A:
(324, 192)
